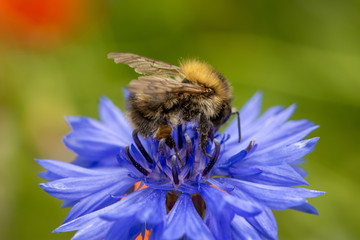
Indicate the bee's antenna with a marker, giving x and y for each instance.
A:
(238, 118)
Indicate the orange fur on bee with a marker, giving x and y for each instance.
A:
(203, 74)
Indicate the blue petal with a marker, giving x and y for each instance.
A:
(248, 113)
(77, 123)
(100, 199)
(76, 188)
(254, 130)
(187, 188)
(87, 224)
(306, 208)
(64, 169)
(128, 203)
(283, 154)
(302, 172)
(241, 229)
(126, 93)
(258, 125)
(226, 187)
(281, 175)
(274, 133)
(269, 113)
(221, 208)
(290, 132)
(88, 220)
(218, 202)
(94, 230)
(49, 176)
(125, 228)
(148, 207)
(153, 210)
(68, 203)
(265, 223)
(184, 220)
(244, 172)
(279, 119)
(277, 198)
(266, 129)
(251, 109)
(225, 162)
(94, 144)
(219, 225)
(112, 117)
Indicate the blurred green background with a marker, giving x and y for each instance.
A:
(53, 63)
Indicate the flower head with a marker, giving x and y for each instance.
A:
(227, 196)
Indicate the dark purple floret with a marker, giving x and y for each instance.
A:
(189, 148)
(175, 175)
(167, 161)
(141, 147)
(180, 134)
(213, 159)
(136, 164)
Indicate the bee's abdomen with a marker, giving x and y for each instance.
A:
(140, 117)
(147, 113)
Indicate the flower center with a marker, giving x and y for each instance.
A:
(190, 165)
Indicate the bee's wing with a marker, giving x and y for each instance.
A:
(144, 65)
(154, 85)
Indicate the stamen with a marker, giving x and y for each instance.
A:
(180, 140)
(250, 146)
(174, 171)
(173, 160)
(172, 144)
(141, 147)
(189, 149)
(161, 147)
(136, 164)
(213, 159)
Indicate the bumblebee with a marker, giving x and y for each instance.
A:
(168, 96)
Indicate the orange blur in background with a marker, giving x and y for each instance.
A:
(39, 21)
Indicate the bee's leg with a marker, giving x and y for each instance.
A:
(204, 128)
(164, 132)
(238, 118)
(172, 144)
(212, 131)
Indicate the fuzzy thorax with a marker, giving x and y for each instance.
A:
(205, 75)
